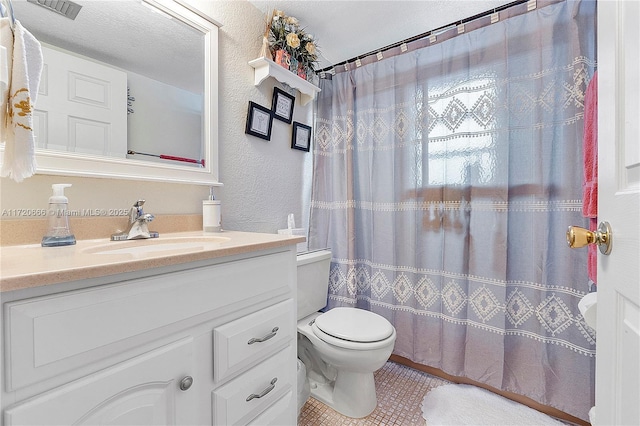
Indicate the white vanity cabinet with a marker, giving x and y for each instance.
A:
(207, 342)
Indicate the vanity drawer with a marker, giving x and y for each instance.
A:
(282, 412)
(51, 335)
(273, 379)
(252, 338)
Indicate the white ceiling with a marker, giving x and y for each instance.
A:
(348, 28)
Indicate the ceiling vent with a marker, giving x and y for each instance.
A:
(63, 7)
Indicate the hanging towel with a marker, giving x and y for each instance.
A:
(592, 255)
(590, 176)
(590, 152)
(6, 39)
(19, 152)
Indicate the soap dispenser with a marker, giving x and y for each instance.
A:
(211, 214)
(58, 233)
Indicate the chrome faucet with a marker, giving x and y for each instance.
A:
(138, 225)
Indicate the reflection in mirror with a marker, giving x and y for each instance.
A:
(144, 94)
(130, 81)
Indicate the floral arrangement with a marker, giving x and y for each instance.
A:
(290, 45)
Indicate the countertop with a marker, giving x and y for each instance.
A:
(25, 266)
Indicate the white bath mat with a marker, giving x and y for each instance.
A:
(458, 405)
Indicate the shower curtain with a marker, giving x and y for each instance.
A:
(444, 180)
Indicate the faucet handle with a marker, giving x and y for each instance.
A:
(147, 217)
(136, 211)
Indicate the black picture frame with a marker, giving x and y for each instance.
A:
(301, 137)
(259, 121)
(282, 105)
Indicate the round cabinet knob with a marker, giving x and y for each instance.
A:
(186, 383)
(579, 237)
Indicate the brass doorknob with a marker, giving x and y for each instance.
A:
(579, 237)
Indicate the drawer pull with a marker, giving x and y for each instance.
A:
(264, 392)
(265, 338)
(186, 383)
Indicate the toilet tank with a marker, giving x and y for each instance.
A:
(313, 281)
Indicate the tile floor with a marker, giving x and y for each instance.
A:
(400, 392)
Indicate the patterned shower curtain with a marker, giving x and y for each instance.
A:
(444, 180)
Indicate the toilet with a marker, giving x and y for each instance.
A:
(341, 348)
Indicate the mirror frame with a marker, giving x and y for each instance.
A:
(77, 164)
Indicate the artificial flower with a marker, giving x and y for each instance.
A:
(293, 40)
(311, 48)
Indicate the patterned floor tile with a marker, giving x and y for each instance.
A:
(400, 391)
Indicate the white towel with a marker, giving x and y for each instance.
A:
(6, 39)
(19, 153)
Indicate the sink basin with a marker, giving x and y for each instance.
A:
(157, 245)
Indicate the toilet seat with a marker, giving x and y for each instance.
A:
(353, 328)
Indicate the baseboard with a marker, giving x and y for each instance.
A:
(550, 411)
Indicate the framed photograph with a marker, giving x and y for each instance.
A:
(259, 121)
(301, 138)
(282, 105)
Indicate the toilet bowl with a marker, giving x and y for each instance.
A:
(342, 364)
(341, 348)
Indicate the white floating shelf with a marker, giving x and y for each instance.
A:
(267, 68)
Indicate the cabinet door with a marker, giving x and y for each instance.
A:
(144, 390)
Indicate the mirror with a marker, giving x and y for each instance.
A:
(152, 64)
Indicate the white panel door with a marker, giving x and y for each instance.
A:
(81, 106)
(618, 327)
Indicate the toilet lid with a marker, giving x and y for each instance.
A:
(355, 325)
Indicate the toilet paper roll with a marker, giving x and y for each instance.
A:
(588, 308)
(592, 415)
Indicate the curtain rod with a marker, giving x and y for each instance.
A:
(532, 5)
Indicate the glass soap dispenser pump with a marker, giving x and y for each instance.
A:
(58, 233)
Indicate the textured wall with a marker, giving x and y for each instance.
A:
(263, 181)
